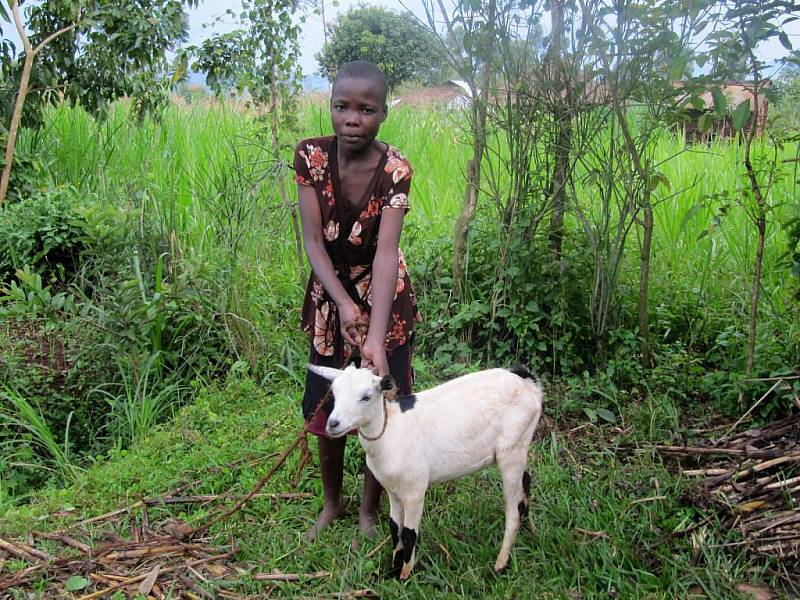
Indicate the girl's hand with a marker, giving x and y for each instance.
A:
(374, 355)
(348, 314)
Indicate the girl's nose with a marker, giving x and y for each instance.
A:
(353, 119)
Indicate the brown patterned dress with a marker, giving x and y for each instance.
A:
(350, 232)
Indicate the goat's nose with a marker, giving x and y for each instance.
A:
(333, 424)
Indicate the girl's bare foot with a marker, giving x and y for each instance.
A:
(368, 524)
(326, 517)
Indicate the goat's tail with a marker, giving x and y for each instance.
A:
(522, 371)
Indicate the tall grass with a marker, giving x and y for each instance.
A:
(21, 422)
(139, 402)
(186, 167)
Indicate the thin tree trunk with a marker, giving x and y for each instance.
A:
(22, 93)
(276, 149)
(644, 285)
(472, 187)
(563, 124)
(761, 225)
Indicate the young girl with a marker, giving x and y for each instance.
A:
(353, 194)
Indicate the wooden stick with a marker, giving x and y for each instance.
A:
(374, 551)
(752, 408)
(64, 539)
(706, 472)
(18, 552)
(290, 576)
(138, 578)
(109, 515)
(689, 450)
(212, 497)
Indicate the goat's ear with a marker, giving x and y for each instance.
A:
(328, 373)
(387, 383)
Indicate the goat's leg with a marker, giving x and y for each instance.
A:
(395, 521)
(512, 466)
(412, 514)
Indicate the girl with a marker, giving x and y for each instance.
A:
(353, 195)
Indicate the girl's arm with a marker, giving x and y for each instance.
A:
(321, 263)
(384, 282)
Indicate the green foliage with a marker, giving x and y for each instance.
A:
(403, 48)
(21, 425)
(113, 44)
(45, 231)
(139, 402)
(221, 58)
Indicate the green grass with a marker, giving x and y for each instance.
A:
(603, 523)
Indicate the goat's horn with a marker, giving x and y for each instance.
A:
(328, 373)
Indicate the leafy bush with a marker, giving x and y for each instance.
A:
(46, 231)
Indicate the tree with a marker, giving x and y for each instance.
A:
(397, 43)
(262, 57)
(751, 22)
(91, 52)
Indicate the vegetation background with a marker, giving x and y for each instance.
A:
(151, 275)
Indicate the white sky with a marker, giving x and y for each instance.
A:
(312, 35)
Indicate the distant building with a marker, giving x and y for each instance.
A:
(735, 93)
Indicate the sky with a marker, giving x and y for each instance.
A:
(212, 13)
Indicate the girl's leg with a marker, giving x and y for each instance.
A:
(368, 512)
(331, 464)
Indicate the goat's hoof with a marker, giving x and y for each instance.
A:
(396, 565)
(405, 572)
(500, 567)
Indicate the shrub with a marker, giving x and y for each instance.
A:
(46, 230)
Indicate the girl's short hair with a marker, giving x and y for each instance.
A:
(363, 69)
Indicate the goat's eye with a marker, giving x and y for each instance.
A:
(366, 398)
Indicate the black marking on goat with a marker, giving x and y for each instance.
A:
(409, 539)
(394, 530)
(406, 402)
(522, 371)
(526, 484)
(387, 383)
(522, 507)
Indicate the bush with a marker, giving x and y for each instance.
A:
(45, 231)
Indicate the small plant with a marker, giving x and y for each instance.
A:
(139, 401)
(22, 424)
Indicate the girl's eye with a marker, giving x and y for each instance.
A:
(339, 107)
(368, 111)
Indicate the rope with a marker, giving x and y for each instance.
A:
(183, 532)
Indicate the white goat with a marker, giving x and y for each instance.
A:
(440, 434)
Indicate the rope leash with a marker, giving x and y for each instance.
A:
(183, 531)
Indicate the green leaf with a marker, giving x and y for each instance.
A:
(590, 413)
(76, 583)
(606, 415)
(4, 13)
(704, 122)
(740, 115)
(720, 102)
(690, 214)
(785, 41)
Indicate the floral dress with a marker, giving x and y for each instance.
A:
(350, 233)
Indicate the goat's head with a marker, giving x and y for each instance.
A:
(357, 395)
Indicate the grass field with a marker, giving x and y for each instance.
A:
(604, 522)
(608, 518)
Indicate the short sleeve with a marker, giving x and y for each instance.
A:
(302, 173)
(398, 196)
(399, 170)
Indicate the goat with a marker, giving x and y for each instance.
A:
(446, 432)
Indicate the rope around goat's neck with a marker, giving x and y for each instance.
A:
(385, 423)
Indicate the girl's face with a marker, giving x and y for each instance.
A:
(358, 107)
